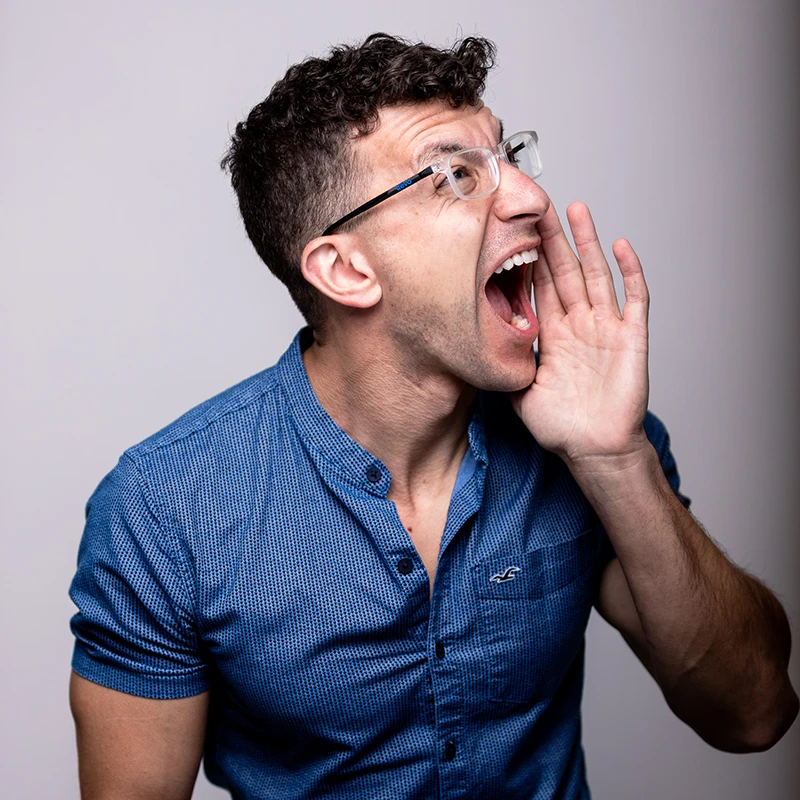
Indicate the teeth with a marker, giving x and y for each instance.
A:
(520, 322)
(523, 257)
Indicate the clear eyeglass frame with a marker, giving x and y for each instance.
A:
(520, 150)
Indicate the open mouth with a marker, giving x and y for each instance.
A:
(508, 291)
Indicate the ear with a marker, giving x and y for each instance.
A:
(338, 267)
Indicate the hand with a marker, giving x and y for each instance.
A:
(589, 398)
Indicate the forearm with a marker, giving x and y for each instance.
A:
(716, 640)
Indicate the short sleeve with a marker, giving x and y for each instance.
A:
(134, 628)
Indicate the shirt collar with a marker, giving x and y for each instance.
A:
(328, 440)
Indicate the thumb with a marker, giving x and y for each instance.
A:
(516, 400)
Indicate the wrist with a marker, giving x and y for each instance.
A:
(618, 473)
(628, 493)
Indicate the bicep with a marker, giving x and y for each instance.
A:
(615, 605)
(136, 747)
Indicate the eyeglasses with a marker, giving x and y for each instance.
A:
(469, 174)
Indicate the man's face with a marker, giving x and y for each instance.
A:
(435, 255)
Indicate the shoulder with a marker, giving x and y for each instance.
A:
(229, 406)
(205, 451)
(203, 432)
(198, 467)
(223, 430)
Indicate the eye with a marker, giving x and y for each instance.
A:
(465, 177)
(460, 175)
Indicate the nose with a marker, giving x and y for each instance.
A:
(519, 197)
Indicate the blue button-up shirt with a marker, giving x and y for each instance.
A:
(249, 549)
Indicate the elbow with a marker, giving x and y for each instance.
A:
(762, 727)
(754, 724)
(766, 731)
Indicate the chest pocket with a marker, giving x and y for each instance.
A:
(534, 607)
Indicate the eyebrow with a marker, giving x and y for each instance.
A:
(434, 149)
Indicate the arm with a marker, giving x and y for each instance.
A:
(714, 638)
(141, 737)
(134, 747)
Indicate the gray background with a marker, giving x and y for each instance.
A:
(130, 293)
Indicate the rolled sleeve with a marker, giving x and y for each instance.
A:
(134, 629)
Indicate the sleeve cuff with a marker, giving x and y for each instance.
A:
(153, 685)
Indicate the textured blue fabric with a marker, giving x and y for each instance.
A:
(249, 548)
(465, 472)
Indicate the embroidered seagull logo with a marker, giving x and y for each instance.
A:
(508, 575)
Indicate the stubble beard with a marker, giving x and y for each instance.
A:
(451, 342)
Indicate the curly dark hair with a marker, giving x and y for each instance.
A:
(291, 163)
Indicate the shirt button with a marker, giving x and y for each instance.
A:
(373, 474)
(449, 750)
(439, 649)
(405, 565)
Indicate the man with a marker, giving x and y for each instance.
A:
(367, 571)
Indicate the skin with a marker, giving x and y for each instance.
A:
(135, 748)
(409, 338)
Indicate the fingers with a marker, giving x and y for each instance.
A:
(545, 294)
(564, 266)
(597, 275)
(563, 281)
(637, 296)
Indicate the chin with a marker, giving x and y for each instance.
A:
(507, 380)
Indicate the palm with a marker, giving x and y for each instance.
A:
(590, 394)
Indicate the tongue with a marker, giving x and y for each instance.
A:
(498, 301)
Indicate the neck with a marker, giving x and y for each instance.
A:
(414, 421)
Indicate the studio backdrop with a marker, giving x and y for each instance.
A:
(130, 292)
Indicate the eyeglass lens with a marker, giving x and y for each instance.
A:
(523, 152)
(474, 172)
